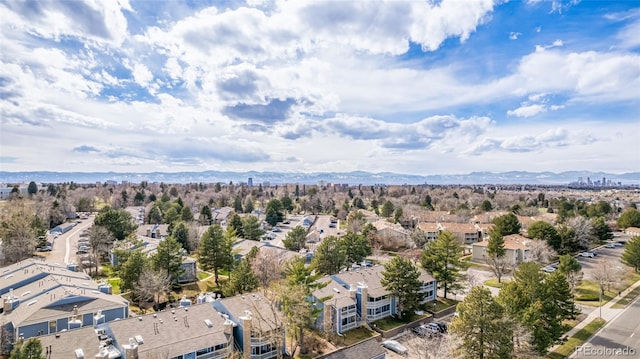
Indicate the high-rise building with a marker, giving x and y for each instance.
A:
(250, 182)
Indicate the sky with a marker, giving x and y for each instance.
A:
(415, 87)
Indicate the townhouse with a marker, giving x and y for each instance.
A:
(352, 298)
(517, 249)
(40, 299)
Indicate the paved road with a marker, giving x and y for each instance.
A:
(622, 332)
(64, 246)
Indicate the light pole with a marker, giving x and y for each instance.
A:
(600, 303)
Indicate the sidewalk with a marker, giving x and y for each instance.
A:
(608, 313)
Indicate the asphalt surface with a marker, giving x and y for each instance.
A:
(619, 338)
(65, 245)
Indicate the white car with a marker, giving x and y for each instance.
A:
(395, 347)
(549, 269)
(587, 254)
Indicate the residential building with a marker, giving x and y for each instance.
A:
(362, 289)
(465, 233)
(392, 233)
(368, 349)
(260, 332)
(632, 231)
(517, 249)
(431, 230)
(41, 299)
(190, 332)
(220, 215)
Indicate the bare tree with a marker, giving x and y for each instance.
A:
(16, 231)
(152, 284)
(499, 266)
(436, 347)
(541, 251)
(607, 273)
(101, 240)
(584, 230)
(267, 266)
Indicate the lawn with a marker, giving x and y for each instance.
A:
(203, 275)
(392, 322)
(623, 302)
(355, 335)
(577, 339)
(115, 285)
(444, 303)
(493, 282)
(588, 293)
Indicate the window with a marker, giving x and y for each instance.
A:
(52, 326)
(348, 320)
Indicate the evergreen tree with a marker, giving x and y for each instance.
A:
(295, 239)
(571, 269)
(441, 258)
(544, 231)
(356, 247)
(168, 258)
(251, 228)
(235, 222)
(630, 218)
(481, 323)
(540, 303)
(507, 224)
(387, 209)
(631, 255)
(131, 270)
(496, 255)
(601, 229)
(214, 252)
(402, 279)
(181, 233)
(242, 279)
(31, 349)
(186, 214)
(118, 221)
(32, 188)
(329, 256)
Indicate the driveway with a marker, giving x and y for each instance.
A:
(64, 246)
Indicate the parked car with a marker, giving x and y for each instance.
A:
(427, 330)
(550, 268)
(441, 326)
(613, 245)
(44, 249)
(276, 229)
(587, 254)
(394, 346)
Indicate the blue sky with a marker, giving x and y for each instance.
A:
(419, 87)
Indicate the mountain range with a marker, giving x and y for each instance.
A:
(351, 178)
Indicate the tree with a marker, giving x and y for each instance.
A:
(251, 228)
(486, 206)
(16, 231)
(267, 267)
(132, 269)
(101, 241)
(483, 327)
(606, 273)
(355, 221)
(601, 229)
(496, 255)
(248, 205)
(276, 207)
(401, 278)
(507, 224)
(571, 269)
(271, 217)
(546, 232)
(235, 222)
(541, 251)
(539, 302)
(205, 215)
(242, 279)
(631, 255)
(181, 233)
(441, 258)
(583, 229)
(397, 215)
(32, 188)
(295, 239)
(118, 221)
(387, 209)
(186, 214)
(31, 349)
(630, 218)
(215, 251)
(356, 247)
(329, 256)
(151, 284)
(168, 257)
(287, 203)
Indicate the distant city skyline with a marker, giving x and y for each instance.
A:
(415, 87)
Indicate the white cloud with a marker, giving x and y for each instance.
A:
(514, 35)
(141, 75)
(527, 111)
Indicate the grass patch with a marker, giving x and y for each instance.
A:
(588, 293)
(624, 301)
(493, 282)
(203, 275)
(355, 335)
(115, 285)
(443, 303)
(392, 322)
(577, 339)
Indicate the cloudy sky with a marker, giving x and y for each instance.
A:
(418, 87)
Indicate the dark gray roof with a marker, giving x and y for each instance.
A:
(364, 350)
